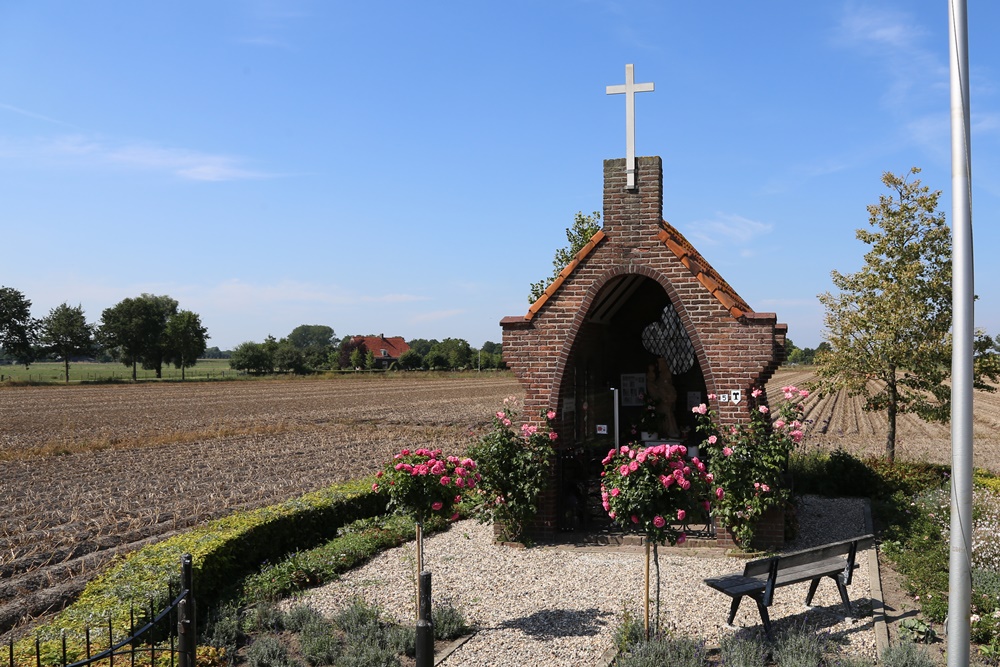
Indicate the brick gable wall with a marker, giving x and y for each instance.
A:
(733, 353)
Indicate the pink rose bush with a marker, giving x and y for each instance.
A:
(649, 484)
(748, 461)
(423, 482)
(514, 462)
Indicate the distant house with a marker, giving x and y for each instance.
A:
(386, 350)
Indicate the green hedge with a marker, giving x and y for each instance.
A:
(223, 551)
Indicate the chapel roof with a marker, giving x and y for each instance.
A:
(692, 260)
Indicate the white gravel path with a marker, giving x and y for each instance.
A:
(559, 605)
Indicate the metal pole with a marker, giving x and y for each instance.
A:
(617, 446)
(963, 333)
(425, 624)
(187, 640)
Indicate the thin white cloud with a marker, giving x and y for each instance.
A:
(726, 228)
(32, 114)
(895, 41)
(89, 152)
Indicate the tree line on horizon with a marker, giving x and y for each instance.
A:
(147, 330)
(312, 348)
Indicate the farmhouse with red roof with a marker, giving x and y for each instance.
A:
(386, 350)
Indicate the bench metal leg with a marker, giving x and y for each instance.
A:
(812, 591)
(733, 608)
(843, 596)
(764, 617)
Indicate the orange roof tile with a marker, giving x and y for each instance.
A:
(683, 250)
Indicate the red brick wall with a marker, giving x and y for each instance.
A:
(732, 353)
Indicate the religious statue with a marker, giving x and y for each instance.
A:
(660, 387)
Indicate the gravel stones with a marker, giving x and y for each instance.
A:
(559, 604)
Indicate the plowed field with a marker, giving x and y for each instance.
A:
(838, 421)
(90, 471)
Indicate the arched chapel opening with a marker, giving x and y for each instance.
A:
(638, 320)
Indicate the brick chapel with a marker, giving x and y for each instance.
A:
(639, 312)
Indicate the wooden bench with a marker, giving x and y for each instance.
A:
(761, 577)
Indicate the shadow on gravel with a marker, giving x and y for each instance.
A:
(551, 623)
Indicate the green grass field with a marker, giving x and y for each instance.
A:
(84, 371)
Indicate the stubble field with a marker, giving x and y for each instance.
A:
(90, 471)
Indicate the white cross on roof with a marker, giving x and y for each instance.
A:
(630, 88)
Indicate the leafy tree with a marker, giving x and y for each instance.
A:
(316, 341)
(358, 356)
(215, 353)
(131, 329)
(65, 333)
(456, 351)
(435, 360)
(253, 358)
(583, 229)
(410, 360)
(347, 347)
(17, 328)
(369, 360)
(156, 352)
(289, 358)
(889, 325)
(185, 340)
(422, 346)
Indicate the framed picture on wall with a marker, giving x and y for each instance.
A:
(633, 389)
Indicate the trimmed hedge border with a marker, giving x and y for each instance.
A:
(224, 551)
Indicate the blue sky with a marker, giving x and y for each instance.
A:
(410, 168)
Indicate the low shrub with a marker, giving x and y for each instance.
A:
(449, 622)
(268, 651)
(665, 650)
(906, 654)
(743, 649)
(800, 646)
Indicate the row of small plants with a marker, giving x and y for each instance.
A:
(910, 501)
(799, 646)
(359, 635)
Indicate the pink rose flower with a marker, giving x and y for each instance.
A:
(796, 436)
(445, 480)
(614, 492)
(458, 499)
(700, 409)
(681, 515)
(712, 440)
(633, 465)
(378, 474)
(611, 514)
(659, 521)
(726, 451)
(779, 423)
(553, 435)
(405, 452)
(635, 519)
(623, 470)
(437, 505)
(712, 397)
(764, 409)
(756, 392)
(804, 394)
(551, 414)
(454, 517)
(374, 487)
(719, 493)
(765, 488)
(682, 538)
(707, 505)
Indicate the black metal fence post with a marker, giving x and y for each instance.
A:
(187, 640)
(425, 624)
